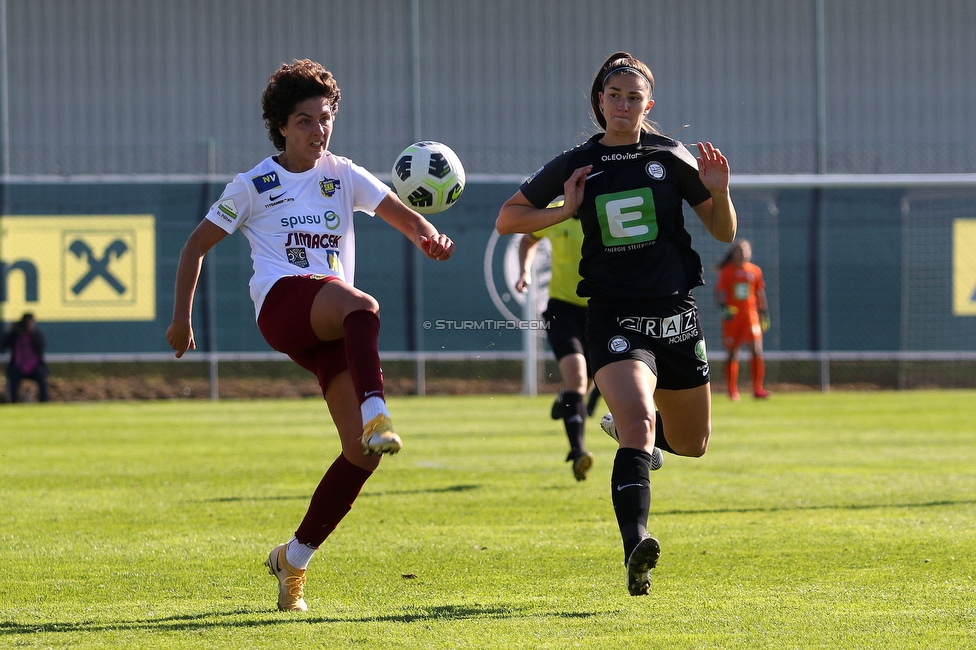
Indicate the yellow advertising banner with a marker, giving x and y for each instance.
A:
(78, 267)
(964, 267)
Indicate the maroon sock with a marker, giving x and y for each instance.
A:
(362, 337)
(331, 501)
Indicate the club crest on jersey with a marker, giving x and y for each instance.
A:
(618, 345)
(329, 186)
(655, 170)
(266, 182)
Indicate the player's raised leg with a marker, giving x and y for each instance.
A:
(342, 311)
(687, 415)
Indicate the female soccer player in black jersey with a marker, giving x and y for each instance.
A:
(643, 334)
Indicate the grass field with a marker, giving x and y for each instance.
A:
(842, 520)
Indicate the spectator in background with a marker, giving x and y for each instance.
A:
(26, 344)
(741, 295)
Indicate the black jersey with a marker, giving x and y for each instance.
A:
(635, 245)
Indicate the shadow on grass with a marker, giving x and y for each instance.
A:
(242, 618)
(798, 508)
(441, 490)
(305, 497)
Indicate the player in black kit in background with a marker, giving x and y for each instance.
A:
(643, 335)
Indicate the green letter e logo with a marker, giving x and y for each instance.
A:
(627, 217)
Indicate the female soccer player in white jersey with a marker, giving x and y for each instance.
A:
(296, 210)
(643, 336)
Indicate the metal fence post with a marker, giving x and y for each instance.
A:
(530, 346)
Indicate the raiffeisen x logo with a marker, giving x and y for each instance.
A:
(98, 266)
(79, 267)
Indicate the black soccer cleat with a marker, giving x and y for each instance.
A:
(642, 559)
(582, 463)
(557, 407)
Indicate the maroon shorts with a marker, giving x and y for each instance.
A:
(286, 325)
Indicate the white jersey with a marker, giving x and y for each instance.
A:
(298, 224)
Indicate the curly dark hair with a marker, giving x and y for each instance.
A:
(291, 84)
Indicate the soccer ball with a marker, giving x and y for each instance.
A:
(608, 426)
(428, 177)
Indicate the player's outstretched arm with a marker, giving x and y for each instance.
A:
(518, 215)
(527, 248)
(415, 227)
(205, 236)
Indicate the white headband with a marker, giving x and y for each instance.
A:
(627, 68)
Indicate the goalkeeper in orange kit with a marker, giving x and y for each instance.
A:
(741, 294)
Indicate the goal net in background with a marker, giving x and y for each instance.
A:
(871, 279)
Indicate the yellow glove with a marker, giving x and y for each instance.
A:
(728, 313)
(764, 321)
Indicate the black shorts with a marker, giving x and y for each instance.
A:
(565, 327)
(665, 334)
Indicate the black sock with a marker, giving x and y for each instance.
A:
(659, 440)
(574, 418)
(631, 495)
(592, 400)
